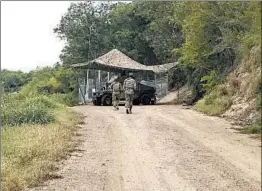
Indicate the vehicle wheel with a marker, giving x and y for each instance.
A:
(96, 102)
(154, 102)
(146, 99)
(136, 102)
(107, 100)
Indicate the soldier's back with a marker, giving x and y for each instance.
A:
(129, 83)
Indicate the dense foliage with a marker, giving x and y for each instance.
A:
(207, 38)
(53, 80)
(14, 80)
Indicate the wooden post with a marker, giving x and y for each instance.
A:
(108, 76)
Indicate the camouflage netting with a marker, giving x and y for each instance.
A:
(116, 61)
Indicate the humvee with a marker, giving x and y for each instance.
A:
(144, 94)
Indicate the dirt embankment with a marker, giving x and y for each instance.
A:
(241, 87)
(159, 148)
(243, 84)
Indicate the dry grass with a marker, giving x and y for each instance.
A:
(30, 152)
(253, 61)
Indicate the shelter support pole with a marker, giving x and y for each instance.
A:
(155, 80)
(87, 85)
(167, 86)
(99, 79)
(161, 87)
(108, 76)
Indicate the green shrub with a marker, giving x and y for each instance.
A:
(69, 99)
(38, 109)
(19, 110)
(31, 114)
(254, 128)
(214, 104)
(12, 99)
(210, 80)
(43, 100)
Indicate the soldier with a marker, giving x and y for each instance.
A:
(117, 88)
(129, 87)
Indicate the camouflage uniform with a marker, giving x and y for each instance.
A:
(129, 87)
(117, 87)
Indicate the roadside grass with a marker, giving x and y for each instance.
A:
(254, 128)
(30, 152)
(214, 104)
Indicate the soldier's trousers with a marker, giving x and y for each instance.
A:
(129, 100)
(115, 99)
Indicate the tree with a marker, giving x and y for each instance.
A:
(13, 80)
(84, 27)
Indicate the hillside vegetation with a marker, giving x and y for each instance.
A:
(216, 44)
(212, 41)
(238, 97)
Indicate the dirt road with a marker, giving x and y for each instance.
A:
(159, 148)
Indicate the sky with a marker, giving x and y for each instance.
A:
(27, 38)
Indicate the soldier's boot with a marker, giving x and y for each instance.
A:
(130, 110)
(127, 112)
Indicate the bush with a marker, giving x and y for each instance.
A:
(19, 110)
(254, 128)
(215, 103)
(69, 99)
(12, 99)
(209, 81)
(42, 100)
(32, 114)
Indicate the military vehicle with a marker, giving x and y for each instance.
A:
(144, 94)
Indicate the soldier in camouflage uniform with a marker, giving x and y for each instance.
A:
(129, 88)
(117, 88)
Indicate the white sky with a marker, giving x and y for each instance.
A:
(27, 38)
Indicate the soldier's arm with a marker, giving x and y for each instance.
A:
(124, 85)
(111, 85)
